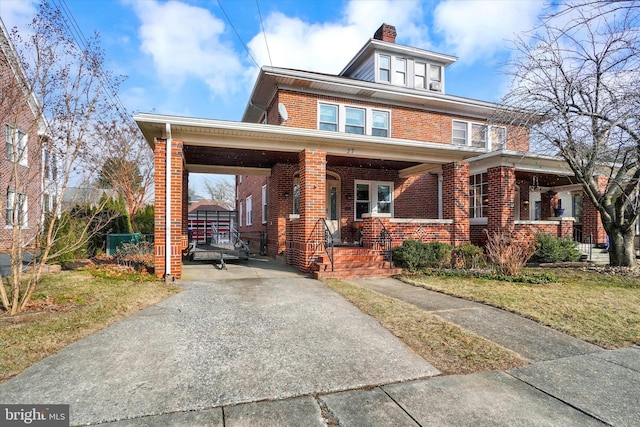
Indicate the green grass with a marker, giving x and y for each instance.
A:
(449, 348)
(68, 306)
(598, 308)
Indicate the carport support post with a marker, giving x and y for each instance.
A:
(313, 177)
(168, 242)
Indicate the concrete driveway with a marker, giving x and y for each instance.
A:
(250, 333)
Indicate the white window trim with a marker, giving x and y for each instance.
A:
(19, 145)
(239, 214)
(373, 196)
(469, 134)
(264, 204)
(368, 117)
(377, 65)
(25, 209)
(249, 211)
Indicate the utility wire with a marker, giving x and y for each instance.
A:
(264, 33)
(238, 35)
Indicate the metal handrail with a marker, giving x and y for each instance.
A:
(385, 240)
(328, 241)
(579, 236)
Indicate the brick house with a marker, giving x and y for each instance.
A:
(337, 169)
(27, 180)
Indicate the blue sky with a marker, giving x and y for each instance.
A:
(184, 57)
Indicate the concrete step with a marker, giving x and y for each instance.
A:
(357, 273)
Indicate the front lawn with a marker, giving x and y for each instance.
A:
(71, 305)
(603, 309)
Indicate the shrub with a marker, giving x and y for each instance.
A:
(555, 249)
(509, 253)
(468, 256)
(414, 255)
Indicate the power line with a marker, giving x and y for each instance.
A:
(264, 33)
(238, 35)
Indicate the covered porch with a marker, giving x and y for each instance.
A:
(316, 179)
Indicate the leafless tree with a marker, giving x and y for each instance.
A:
(221, 191)
(575, 86)
(64, 88)
(126, 163)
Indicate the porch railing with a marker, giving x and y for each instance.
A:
(323, 238)
(586, 247)
(385, 242)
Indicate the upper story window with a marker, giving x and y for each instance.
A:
(328, 117)
(478, 135)
(384, 68)
(350, 119)
(16, 145)
(400, 72)
(435, 77)
(420, 78)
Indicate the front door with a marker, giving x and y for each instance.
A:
(333, 208)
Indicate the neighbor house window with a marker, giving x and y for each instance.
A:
(249, 213)
(380, 123)
(16, 209)
(478, 196)
(373, 197)
(328, 117)
(354, 120)
(16, 145)
(264, 204)
(384, 68)
(239, 214)
(400, 72)
(420, 77)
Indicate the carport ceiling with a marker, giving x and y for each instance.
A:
(244, 158)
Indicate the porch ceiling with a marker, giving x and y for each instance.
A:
(215, 146)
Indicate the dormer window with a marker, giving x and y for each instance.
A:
(420, 78)
(400, 72)
(384, 68)
(435, 78)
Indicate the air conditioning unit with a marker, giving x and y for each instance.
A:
(435, 86)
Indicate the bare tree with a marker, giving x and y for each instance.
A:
(576, 78)
(64, 88)
(221, 191)
(126, 163)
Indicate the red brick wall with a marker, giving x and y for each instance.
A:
(251, 186)
(501, 195)
(591, 221)
(455, 204)
(15, 112)
(406, 123)
(178, 231)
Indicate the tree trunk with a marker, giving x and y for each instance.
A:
(622, 248)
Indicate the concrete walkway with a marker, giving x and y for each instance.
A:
(261, 345)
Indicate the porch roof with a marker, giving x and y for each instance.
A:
(215, 146)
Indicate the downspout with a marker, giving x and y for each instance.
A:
(167, 204)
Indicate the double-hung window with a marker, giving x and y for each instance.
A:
(354, 120)
(420, 77)
(264, 204)
(16, 145)
(400, 72)
(498, 137)
(373, 197)
(16, 209)
(384, 68)
(435, 77)
(459, 133)
(478, 135)
(328, 117)
(379, 123)
(249, 211)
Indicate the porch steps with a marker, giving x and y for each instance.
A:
(352, 263)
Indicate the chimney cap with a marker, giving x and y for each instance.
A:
(386, 33)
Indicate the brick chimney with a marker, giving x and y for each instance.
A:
(386, 33)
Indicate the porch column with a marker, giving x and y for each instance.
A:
(455, 200)
(548, 201)
(313, 176)
(591, 222)
(177, 233)
(501, 195)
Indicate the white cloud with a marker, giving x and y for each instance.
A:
(17, 13)
(475, 30)
(186, 41)
(327, 47)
